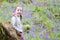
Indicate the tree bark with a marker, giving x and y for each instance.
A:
(8, 32)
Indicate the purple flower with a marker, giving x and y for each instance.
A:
(53, 30)
(33, 35)
(56, 38)
(47, 35)
(40, 24)
(41, 35)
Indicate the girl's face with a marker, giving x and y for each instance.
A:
(19, 11)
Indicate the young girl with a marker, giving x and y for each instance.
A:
(16, 21)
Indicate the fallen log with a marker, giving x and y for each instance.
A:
(8, 32)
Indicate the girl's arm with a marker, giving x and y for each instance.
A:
(13, 21)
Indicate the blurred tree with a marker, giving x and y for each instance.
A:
(11, 1)
(1, 1)
(24, 2)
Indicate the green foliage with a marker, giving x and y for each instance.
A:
(24, 2)
(41, 0)
(11, 1)
(58, 35)
(36, 38)
(38, 15)
(53, 36)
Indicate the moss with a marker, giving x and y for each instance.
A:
(3, 36)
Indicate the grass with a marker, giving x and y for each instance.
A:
(38, 15)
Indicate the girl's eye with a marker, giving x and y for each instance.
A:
(19, 10)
